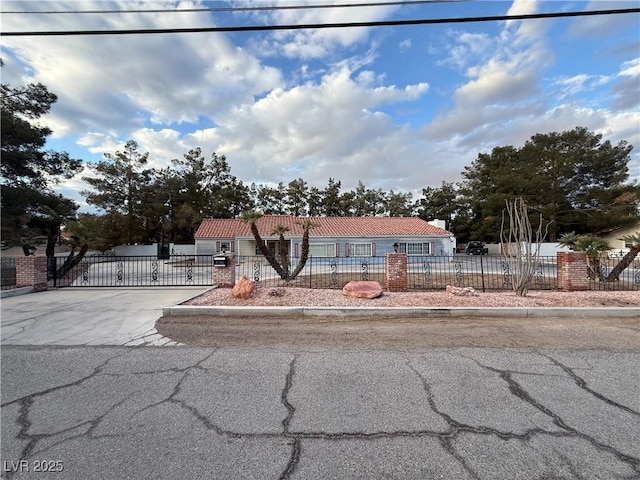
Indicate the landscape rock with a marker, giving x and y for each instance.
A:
(362, 289)
(244, 288)
(462, 291)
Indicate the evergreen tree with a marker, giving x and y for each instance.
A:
(28, 172)
(118, 187)
(438, 203)
(400, 204)
(331, 205)
(296, 200)
(576, 181)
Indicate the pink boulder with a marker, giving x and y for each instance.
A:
(362, 289)
(244, 288)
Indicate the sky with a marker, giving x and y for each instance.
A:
(400, 108)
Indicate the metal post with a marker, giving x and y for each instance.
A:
(482, 272)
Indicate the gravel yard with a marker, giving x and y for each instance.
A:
(334, 298)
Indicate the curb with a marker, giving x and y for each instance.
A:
(14, 292)
(395, 312)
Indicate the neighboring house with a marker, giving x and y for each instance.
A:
(333, 237)
(614, 238)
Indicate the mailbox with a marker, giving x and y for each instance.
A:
(220, 261)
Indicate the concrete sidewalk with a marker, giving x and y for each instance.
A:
(74, 316)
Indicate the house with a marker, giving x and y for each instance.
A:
(332, 237)
(615, 241)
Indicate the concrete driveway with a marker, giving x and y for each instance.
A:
(74, 316)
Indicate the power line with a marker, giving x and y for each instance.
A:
(257, 28)
(240, 9)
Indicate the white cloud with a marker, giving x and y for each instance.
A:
(624, 92)
(502, 76)
(125, 80)
(496, 83)
(315, 130)
(581, 83)
(320, 43)
(531, 29)
(631, 68)
(465, 48)
(404, 45)
(602, 25)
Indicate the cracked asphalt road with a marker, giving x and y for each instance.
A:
(295, 413)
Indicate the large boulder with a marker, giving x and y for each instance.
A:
(244, 288)
(362, 289)
(462, 291)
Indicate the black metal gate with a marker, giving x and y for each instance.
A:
(136, 271)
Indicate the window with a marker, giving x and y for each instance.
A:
(415, 248)
(360, 250)
(322, 249)
(225, 246)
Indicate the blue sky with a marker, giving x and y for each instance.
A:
(399, 108)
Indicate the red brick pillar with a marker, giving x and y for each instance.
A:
(225, 276)
(395, 272)
(31, 272)
(572, 271)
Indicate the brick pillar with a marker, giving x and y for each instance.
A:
(395, 272)
(225, 276)
(31, 272)
(572, 271)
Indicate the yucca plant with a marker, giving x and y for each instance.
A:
(281, 264)
(634, 240)
(306, 225)
(283, 252)
(251, 217)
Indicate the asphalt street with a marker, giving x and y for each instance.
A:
(85, 395)
(181, 412)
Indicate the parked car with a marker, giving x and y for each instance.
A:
(476, 248)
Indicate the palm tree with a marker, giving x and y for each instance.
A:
(634, 239)
(594, 247)
(568, 240)
(251, 217)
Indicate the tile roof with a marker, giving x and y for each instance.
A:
(327, 227)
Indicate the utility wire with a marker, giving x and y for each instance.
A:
(257, 28)
(241, 9)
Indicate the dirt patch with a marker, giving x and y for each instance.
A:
(414, 334)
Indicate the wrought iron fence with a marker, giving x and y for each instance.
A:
(318, 272)
(423, 272)
(599, 269)
(135, 271)
(482, 272)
